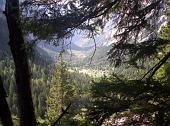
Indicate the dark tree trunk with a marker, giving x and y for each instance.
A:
(22, 71)
(5, 113)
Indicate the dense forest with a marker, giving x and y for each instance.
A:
(84, 62)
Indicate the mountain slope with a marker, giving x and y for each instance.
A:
(4, 48)
(39, 54)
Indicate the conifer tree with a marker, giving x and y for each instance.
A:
(61, 92)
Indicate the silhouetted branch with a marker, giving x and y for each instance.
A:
(153, 70)
(62, 114)
(163, 61)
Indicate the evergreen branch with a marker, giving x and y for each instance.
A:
(148, 71)
(157, 66)
(61, 115)
(166, 57)
(107, 8)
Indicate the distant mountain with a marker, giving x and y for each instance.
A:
(104, 38)
(78, 48)
(94, 58)
(4, 48)
(39, 54)
(47, 46)
(67, 47)
(81, 48)
(99, 56)
(41, 57)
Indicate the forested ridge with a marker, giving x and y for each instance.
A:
(46, 79)
(42, 82)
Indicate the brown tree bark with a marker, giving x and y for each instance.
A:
(5, 113)
(22, 69)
